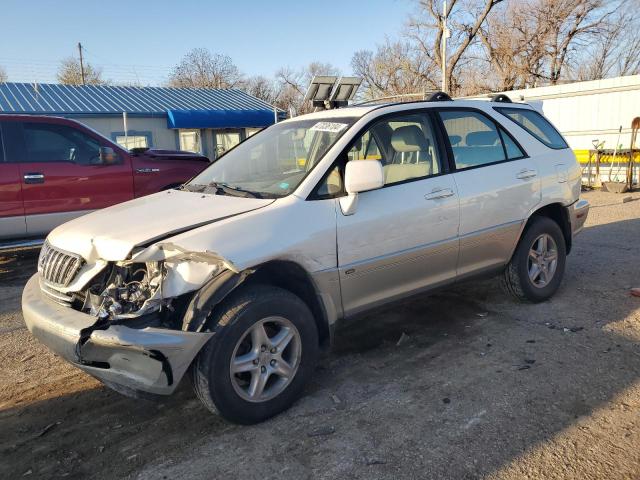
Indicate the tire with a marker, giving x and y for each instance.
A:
(517, 276)
(280, 314)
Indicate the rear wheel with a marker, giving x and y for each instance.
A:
(258, 364)
(537, 266)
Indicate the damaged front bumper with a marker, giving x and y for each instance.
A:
(130, 360)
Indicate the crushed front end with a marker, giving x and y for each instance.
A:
(119, 321)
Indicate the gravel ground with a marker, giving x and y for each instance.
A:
(480, 387)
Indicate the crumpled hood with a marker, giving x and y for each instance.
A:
(111, 233)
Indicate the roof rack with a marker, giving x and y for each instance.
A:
(500, 98)
(409, 98)
(438, 97)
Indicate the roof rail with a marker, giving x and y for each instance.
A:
(438, 97)
(501, 98)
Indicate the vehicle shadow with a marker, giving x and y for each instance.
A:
(476, 381)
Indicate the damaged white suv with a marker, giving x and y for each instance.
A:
(240, 275)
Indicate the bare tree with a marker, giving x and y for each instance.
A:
(465, 18)
(200, 68)
(514, 47)
(571, 25)
(262, 88)
(394, 69)
(3, 75)
(70, 73)
(617, 52)
(293, 85)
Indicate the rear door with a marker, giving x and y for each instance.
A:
(498, 186)
(12, 222)
(62, 174)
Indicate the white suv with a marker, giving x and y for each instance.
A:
(240, 275)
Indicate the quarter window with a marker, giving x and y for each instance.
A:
(405, 145)
(536, 125)
(511, 148)
(59, 143)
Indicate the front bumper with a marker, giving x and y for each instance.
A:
(130, 360)
(578, 212)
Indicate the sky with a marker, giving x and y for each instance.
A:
(260, 36)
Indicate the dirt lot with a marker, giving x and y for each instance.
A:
(482, 387)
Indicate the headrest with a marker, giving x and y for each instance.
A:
(455, 139)
(409, 139)
(482, 138)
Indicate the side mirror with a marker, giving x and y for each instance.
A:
(108, 156)
(360, 176)
(363, 175)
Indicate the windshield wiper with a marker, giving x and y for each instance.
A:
(229, 190)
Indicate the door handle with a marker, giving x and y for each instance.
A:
(439, 193)
(34, 177)
(147, 170)
(526, 173)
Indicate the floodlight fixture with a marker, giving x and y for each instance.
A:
(344, 90)
(320, 90)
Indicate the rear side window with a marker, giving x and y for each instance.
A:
(536, 125)
(474, 138)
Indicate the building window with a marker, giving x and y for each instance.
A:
(190, 141)
(132, 141)
(226, 141)
(252, 131)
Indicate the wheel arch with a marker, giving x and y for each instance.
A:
(292, 277)
(558, 213)
(287, 275)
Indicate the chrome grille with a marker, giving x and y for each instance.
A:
(58, 267)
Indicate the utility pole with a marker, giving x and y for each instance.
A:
(81, 63)
(446, 33)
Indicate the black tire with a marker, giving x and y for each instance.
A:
(211, 370)
(516, 279)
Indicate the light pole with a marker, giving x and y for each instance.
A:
(446, 33)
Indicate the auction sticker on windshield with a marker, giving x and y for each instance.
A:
(333, 127)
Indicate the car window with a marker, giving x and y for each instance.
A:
(512, 149)
(405, 145)
(536, 125)
(474, 138)
(331, 185)
(59, 143)
(275, 161)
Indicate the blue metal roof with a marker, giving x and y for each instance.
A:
(57, 99)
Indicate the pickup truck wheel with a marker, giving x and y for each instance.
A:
(536, 269)
(258, 365)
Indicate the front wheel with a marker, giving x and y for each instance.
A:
(536, 269)
(258, 364)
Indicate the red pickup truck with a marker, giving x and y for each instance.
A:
(54, 169)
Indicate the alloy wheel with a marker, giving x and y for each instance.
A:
(543, 260)
(265, 359)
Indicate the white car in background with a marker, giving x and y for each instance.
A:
(240, 276)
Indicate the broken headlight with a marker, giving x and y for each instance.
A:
(126, 291)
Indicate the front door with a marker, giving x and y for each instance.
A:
(403, 237)
(498, 187)
(62, 174)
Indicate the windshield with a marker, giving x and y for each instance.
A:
(272, 163)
